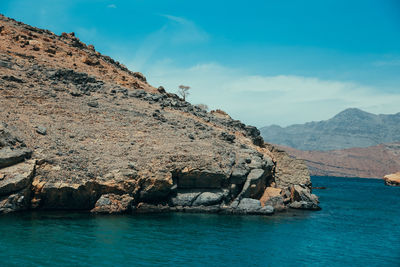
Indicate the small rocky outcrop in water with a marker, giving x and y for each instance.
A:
(82, 132)
(392, 179)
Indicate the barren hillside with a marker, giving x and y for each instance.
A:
(368, 162)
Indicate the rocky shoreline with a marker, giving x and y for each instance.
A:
(79, 131)
(392, 179)
(245, 192)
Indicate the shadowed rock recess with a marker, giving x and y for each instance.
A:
(79, 131)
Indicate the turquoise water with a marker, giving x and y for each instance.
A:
(359, 225)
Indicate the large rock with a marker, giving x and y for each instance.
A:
(15, 202)
(301, 198)
(185, 197)
(156, 189)
(252, 206)
(255, 184)
(239, 174)
(16, 177)
(272, 197)
(304, 205)
(392, 179)
(10, 156)
(112, 203)
(210, 198)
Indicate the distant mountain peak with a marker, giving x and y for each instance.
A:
(353, 113)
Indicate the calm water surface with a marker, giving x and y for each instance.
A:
(359, 225)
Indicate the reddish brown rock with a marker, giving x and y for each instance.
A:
(392, 179)
(111, 203)
(273, 197)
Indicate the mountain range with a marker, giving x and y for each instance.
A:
(350, 128)
(354, 143)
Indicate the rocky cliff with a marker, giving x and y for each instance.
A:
(79, 131)
(368, 162)
(350, 128)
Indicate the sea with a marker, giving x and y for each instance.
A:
(359, 225)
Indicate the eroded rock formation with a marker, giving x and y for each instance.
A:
(82, 132)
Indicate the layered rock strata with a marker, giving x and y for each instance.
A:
(97, 137)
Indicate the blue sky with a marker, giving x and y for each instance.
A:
(265, 62)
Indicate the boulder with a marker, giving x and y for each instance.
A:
(272, 196)
(16, 177)
(304, 205)
(112, 203)
(93, 104)
(239, 174)
(392, 179)
(254, 185)
(252, 206)
(156, 189)
(10, 156)
(301, 198)
(15, 202)
(185, 198)
(210, 198)
(41, 130)
(139, 76)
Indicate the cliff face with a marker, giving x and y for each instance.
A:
(350, 128)
(369, 162)
(80, 131)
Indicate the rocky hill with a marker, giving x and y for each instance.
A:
(79, 131)
(350, 128)
(369, 162)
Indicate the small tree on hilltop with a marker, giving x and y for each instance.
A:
(183, 91)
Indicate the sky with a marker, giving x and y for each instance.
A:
(264, 62)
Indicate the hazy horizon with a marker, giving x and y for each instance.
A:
(265, 63)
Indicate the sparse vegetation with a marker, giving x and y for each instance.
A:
(183, 91)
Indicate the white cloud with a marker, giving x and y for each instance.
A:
(112, 6)
(185, 31)
(265, 100)
(175, 32)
